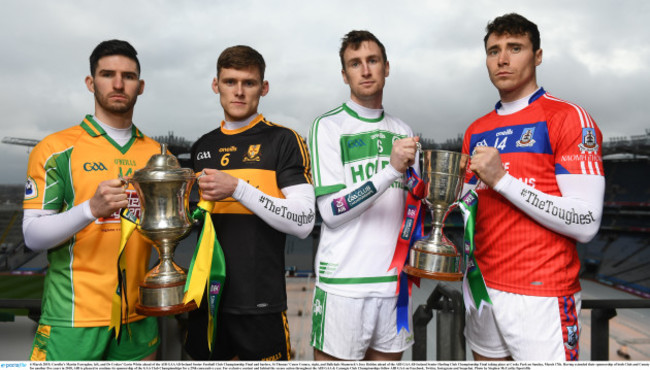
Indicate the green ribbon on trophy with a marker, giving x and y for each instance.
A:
(468, 205)
(207, 271)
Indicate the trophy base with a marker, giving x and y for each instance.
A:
(433, 265)
(446, 276)
(163, 300)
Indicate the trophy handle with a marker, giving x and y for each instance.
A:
(420, 155)
(442, 227)
(125, 181)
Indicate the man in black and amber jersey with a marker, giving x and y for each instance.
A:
(258, 174)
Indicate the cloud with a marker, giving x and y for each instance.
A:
(595, 54)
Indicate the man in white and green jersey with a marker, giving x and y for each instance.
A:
(359, 155)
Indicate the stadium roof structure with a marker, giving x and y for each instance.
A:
(20, 141)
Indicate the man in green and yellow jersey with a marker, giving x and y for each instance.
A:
(73, 196)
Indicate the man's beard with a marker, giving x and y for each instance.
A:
(118, 108)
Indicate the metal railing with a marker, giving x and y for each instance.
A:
(450, 322)
(602, 310)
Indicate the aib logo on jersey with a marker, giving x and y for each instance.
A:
(94, 166)
(588, 144)
(526, 139)
(253, 153)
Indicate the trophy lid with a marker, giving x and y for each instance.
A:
(162, 167)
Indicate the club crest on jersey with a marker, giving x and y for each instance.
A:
(31, 190)
(526, 139)
(318, 307)
(588, 144)
(253, 153)
(572, 337)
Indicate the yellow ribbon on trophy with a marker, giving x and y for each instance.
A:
(207, 272)
(128, 224)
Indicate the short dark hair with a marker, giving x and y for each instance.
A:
(112, 47)
(240, 57)
(513, 24)
(353, 40)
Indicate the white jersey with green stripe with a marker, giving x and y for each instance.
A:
(349, 146)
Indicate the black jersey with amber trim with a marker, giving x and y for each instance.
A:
(269, 157)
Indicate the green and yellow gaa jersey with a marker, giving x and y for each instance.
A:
(64, 170)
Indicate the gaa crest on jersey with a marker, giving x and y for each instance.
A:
(526, 139)
(572, 337)
(253, 153)
(589, 143)
(203, 155)
(31, 190)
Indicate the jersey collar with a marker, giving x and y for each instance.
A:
(538, 94)
(252, 124)
(357, 116)
(95, 130)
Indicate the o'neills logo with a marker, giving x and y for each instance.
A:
(526, 139)
(588, 143)
(229, 149)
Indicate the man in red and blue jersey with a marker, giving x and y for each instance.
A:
(537, 169)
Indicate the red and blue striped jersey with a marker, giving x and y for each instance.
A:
(549, 137)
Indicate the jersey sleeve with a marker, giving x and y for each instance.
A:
(293, 161)
(578, 143)
(325, 152)
(46, 177)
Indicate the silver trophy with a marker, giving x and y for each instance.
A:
(435, 257)
(164, 188)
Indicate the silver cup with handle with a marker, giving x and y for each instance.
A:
(164, 188)
(435, 257)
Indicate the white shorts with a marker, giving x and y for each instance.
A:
(528, 328)
(346, 327)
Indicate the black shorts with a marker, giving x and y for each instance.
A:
(246, 337)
